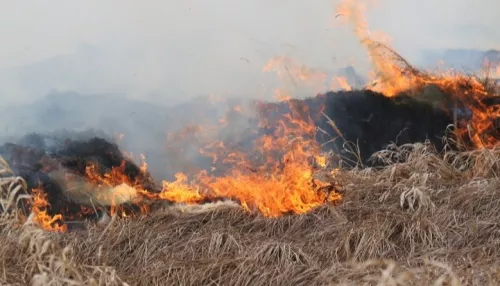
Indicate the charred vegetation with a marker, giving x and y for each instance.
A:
(41, 161)
(356, 124)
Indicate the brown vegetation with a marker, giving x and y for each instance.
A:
(431, 219)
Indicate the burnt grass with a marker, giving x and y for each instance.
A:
(33, 160)
(356, 124)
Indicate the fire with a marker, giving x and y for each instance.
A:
(283, 184)
(289, 70)
(281, 95)
(391, 79)
(278, 175)
(144, 164)
(285, 171)
(41, 217)
(179, 190)
(343, 83)
(114, 188)
(394, 76)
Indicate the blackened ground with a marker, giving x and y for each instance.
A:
(77, 155)
(368, 120)
(35, 156)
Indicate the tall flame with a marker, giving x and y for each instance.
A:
(394, 75)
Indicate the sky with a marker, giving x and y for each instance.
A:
(171, 49)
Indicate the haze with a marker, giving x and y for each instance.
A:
(172, 50)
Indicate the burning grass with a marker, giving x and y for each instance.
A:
(423, 218)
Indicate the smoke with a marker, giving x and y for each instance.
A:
(159, 132)
(170, 50)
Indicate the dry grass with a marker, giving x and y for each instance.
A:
(422, 222)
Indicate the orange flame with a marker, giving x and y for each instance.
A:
(278, 176)
(289, 70)
(180, 191)
(281, 95)
(123, 188)
(343, 83)
(279, 185)
(395, 76)
(41, 216)
(144, 164)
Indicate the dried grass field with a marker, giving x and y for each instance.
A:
(431, 220)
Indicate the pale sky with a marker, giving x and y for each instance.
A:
(183, 48)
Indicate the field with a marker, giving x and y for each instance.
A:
(431, 220)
